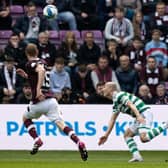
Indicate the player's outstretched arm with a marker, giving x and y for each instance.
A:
(103, 139)
(22, 73)
(136, 112)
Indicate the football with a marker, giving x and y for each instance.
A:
(50, 11)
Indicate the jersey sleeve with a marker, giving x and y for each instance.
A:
(115, 109)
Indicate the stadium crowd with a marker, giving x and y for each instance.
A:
(89, 43)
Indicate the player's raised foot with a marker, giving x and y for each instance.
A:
(83, 151)
(36, 146)
(136, 159)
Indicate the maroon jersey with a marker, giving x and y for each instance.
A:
(136, 56)
(151, 78)
(33, 79)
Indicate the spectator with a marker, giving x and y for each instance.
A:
(119, 28)
(148, 8)
(157, 49)
(67, 96)
(89, 51)
(64, 15)
(130, 7)
(141, 28)
(5, 17)
(96, 97)
(39, 2)
(81, 83)
(105, 10)
(145, 95)
(69, 51)
(59, 78)
(25, 96)
(160, 20)
(20, 2)
(85, 12)
(127, 76)
(151, 74)
(29, 26)
(47, 51)
(103, 73)
(16, 49)
(136, 54)
(161, 95)
(113, 54)
(165, 1)
(10, 82)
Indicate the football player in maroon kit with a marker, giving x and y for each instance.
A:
(43, 102)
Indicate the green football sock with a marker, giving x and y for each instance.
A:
(131, 145)
(152, 133)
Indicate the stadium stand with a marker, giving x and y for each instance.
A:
(16, 12)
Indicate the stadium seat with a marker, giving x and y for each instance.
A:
(39, 10)
(4, 36)
(54, 37)
(2, 47)
(16, 12)
(98, 36)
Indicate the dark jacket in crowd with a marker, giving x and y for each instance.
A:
(21, 99)
(78, 6)
(79, 86)
(128, 80)
(88, 56)
(22, 25)
(47, 52)
(17, 53)
(97, 99)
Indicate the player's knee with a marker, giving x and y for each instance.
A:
(128, 134)
(24, 118)
(143, 138)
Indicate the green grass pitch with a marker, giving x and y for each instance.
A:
(71, 159)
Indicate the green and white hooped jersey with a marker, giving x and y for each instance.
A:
(121, 99)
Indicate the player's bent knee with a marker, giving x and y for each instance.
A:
(24, 118)
(143, 138)
(128, 133)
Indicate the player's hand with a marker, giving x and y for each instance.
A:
(21, 72)
(140, 119)
(102, 140)
(40, 96)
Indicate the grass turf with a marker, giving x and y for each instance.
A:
(71, 159)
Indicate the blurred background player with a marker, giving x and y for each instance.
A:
(43, 102)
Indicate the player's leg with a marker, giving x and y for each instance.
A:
(32, 132)
(69, 131)
(132, 146)
(146, 132)
(34, 111)
(54, 115)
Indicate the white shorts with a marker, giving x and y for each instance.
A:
(49, 107)
(138, 128)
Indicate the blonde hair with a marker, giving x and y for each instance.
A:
(111, 85)
(137, 30)
(72, 35)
